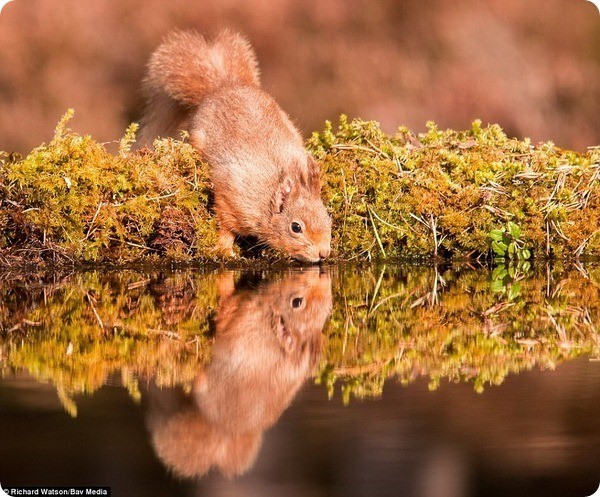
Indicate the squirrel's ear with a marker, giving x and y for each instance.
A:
(282, 194)
(314, 175)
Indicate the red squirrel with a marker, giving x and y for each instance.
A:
(265, 183)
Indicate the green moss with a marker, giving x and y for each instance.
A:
(442, 192)
(437, 194)
(72, 200)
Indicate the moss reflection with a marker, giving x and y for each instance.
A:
(456, 324)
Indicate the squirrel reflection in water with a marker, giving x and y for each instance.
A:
(267, 342)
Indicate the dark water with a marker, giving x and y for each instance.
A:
(341, 381)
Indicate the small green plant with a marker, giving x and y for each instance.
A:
(507, 243)
(507, 280)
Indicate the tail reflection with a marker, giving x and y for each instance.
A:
(268, 341)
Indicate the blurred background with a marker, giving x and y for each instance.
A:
(533, 66)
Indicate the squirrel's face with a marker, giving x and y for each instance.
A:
(301, 224)
(303, 228)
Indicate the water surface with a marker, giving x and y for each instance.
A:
(370, 380)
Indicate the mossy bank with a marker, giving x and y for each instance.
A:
(440, 194)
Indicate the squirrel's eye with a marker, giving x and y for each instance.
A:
(296, 228)
(297, 302)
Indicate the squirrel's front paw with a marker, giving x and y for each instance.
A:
(225, 244)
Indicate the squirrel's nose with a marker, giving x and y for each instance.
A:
(324, 253)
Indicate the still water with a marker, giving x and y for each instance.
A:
(353, 380)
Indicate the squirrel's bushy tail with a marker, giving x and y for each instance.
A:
(186, 67)
(184, 70)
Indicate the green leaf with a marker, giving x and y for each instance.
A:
(497, 286)
(514, 230)
(511, 250)
(499, 273)
(514, 290)
(496, 235)
(499, 248)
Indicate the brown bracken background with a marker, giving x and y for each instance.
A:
(533, 66)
